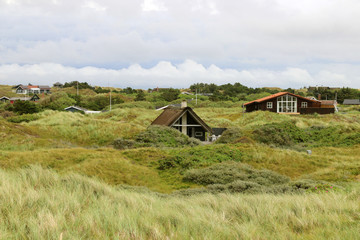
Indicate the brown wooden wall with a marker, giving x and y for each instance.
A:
(318, 110)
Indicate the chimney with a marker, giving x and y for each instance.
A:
(319, 96)
(184, 104)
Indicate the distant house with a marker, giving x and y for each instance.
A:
(33, 98)
(4, 99)
(185, 120)
(22, 89)
(329, 103)
(80, 109)
(288, 103)
(58, 85)
(351, 102)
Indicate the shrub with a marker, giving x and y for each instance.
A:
(124, 143)
(200, 156)
(280, 134)
(230, 135)
(25, 107)
(241, 178)
(23, 118)
(162, 136)
(6, 114)
(157, 136)
(229, 172)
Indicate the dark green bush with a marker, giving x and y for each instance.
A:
(157, 136)
(161, 136)
(124, 143)
(280, 134)
(23, 118)
(229, 172)
(200, 156)
(240, 178)
(230, 135)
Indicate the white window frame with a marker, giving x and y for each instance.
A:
(304, 104)
(269, 105)
(287, 104)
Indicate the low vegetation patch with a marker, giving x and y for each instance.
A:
(157, 136)
(200, 156)
(287, 134)
(241, 178)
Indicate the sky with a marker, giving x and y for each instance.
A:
(175, 43)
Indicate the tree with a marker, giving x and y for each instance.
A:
(170, 94)
(140, 96)
(25, 107)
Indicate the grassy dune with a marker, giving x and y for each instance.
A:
(40, 204)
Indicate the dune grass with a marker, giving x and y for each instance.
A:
(40, 204)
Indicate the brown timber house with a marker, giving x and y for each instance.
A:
(185, 120)
(289, 103)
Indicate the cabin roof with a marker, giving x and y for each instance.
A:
(170, 115)
(77, 108)
(328, 102)
(277, 95)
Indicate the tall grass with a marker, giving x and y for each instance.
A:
(40, 204)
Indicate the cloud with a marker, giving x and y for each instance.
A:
(250, 34)
(165, 74)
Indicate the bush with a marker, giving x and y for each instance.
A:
(225, 173)
(157, 136)
(23, 118)
(200, 156)
(230, 135)
(162, 136)
(280, 134)
(124, 143)
(241, 178)
(25, 107)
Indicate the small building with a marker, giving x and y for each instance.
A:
(329, 103)
(80, 109)
(288, 103)
(22, 89)
(33, 98)
(58, 85)
(351, 102)
(185, 120)
(4, 99)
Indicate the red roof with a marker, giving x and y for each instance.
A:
(31, 86)
(277, 95)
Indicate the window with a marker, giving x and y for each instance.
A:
(287, 104)
(304, 105)
(198, 134)
(269, 105)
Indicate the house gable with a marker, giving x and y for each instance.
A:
(185, 120)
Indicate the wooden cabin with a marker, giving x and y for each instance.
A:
(288, 103)
(185, 120)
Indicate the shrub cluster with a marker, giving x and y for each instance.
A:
(200, 156)
(157, 136)
(287, 134)
(230, 135)
(23, 118)
(241, 178)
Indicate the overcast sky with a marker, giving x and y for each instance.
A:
(174, 43)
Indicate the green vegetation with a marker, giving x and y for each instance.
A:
(40, 204)
(257, 181)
